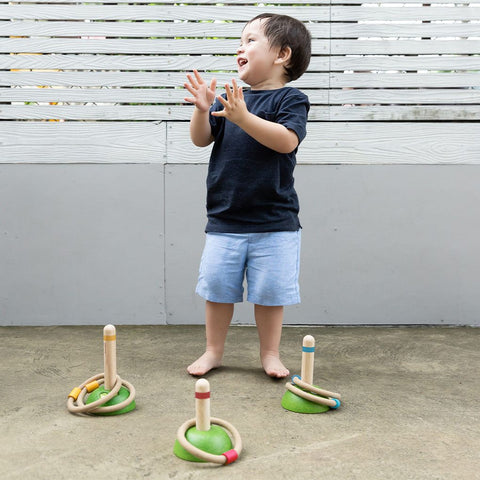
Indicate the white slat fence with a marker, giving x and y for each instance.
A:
(389, 81)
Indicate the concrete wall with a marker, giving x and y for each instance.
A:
(120, 243)
(102, 193)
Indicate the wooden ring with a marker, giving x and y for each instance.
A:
(210, 457)
(296, 379)
(79, 406)
(329, 402)
(121, 405)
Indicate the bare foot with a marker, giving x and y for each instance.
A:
(274, 367)
(205, 363)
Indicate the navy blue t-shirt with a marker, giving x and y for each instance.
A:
(250, 187)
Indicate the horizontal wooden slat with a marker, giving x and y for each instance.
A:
(119, 29)
(126, 62)
(117, 112)
(155, 12)
(176, 79)
(376, 3)
(158, 29)
(211, 46)
(132, 62)
(93, 45)
(433, 143)
(402, 62)
(355, 143)
(413, 47)
(400, 14)
(131, 79)
(405, 30)
(162, 29)
(175, 96)
(192, 2)
(167, 47)
(229, 47)
(365, 143)
(236, 13)
(102, 95)
(100, 79)
(98, 112)
(209, 62)
(117, 95)
(405, 97)
(245, 2)
(404, 80)
(400, 113)
(86, 142)
(183, 112)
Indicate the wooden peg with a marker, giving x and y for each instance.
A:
(110, 356)
(202, 405)
(308, 355)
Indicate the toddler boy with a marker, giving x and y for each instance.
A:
(253, 229)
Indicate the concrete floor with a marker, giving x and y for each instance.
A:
(410, 405)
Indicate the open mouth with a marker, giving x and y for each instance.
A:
(242, 62)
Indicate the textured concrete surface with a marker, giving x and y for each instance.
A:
(410, 404)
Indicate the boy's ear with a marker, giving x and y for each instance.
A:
(284, 55)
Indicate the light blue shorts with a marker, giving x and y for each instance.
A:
(270, 262)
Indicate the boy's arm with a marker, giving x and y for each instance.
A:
(270, 134)
(200, 131)
(203, 96)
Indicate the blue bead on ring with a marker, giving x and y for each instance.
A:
(337, 402)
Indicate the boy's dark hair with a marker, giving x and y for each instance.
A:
(283, 31)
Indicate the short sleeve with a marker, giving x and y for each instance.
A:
(293, 111)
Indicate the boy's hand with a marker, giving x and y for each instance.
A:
(235, 108)
(203, 95)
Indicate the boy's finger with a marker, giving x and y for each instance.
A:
(192, 80)
(228, 91)
(189, 88)
(198, 76)
(222, 100)
(234, 87)
(237, 90)
(213, 84)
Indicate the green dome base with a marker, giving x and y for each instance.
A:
(121, 396)
(297, 404)
(215, 441)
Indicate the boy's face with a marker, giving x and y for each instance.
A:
(256, 58)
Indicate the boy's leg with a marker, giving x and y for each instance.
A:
(269, 322)
(217, 320)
